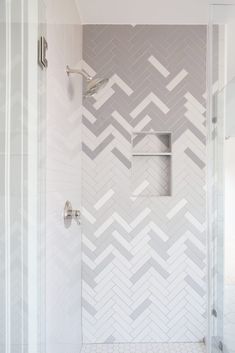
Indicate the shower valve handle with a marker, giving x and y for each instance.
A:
(70, 213)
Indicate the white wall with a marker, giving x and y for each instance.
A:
(63, 11)
(63, 181)
(146, 12)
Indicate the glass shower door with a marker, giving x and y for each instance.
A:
(21, 189)
(229, 224)
(221, 178)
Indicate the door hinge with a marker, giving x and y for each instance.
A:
(221, 346)
(214, 312)
(214, 120)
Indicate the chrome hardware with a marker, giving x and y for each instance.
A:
(214, 120)
(214, 312)
(79, 72)
(93, 84)
(221, 346)
(42, 48)
(70, 214)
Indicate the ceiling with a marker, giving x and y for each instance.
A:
(144, 11)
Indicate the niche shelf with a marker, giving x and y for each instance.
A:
(152, 163)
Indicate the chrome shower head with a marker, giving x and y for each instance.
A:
(94, 85)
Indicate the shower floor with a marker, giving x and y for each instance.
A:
(145, 348)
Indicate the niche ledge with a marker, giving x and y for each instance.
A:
(151, 163)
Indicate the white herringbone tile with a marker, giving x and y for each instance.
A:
(144, 256)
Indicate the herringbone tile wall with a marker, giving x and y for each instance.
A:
(144, 257)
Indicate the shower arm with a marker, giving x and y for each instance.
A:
(79, 72)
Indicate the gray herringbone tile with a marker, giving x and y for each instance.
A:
(144, 257)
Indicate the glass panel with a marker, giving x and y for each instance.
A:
(22, 277)
(40, 168)
(222, 177)
(229, 225)
(40, 117)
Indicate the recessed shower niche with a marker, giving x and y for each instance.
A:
(151, 163)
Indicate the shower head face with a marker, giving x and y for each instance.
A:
(95, 85)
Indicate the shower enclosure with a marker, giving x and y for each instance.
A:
(104, 241)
